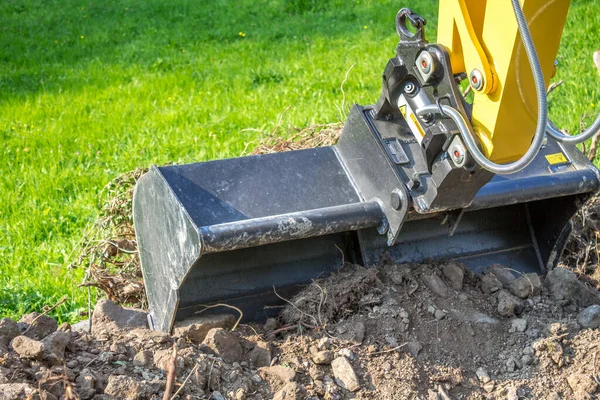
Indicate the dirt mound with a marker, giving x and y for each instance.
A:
(391, 332)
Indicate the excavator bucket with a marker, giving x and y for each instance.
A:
(401, 185)
(245, 231)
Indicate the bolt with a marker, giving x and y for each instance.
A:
(476, 79)
(425, 62)
(427, 118)
(410, 88)
(395, 200)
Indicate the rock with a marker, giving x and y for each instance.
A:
(518, 325)
(503, 274)
(455, 274)
(414, 348)
(526, 359)
(439, 314)
(526, 285)
(28, 348)
(435, 284)
(260, 355)
(344, 374)
(110, 318)
(12, 391)
(55, 345)
(163, 358)
(216, 395)
(349, 354)
(8, 331)
(511, 394)
(321, 357)
(563, 284)
(291, 391)
(81, 326)
(240, 394)
(143, 358)
(270, 325)
(284, 374)
(42, 327)
(482, 375)
(511, 365)
(128, 388)
(490, 284)
(195, 329)
(508, 305)
(225, 344)
(582, 382)
(86, 384)
(590, 317)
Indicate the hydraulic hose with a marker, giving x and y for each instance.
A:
(538, 138)
(555, 133)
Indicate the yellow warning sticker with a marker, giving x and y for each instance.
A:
(418, 125)
(556, 158)
(403, 110)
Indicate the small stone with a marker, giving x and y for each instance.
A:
(196, 329)
(563, 284)
(582, 382)
(349, 354)
(163, 358)
(322, 357)
(225, 344)
(439, 314)
(110, 318)
(128, 388)
(36, 326)
(324, 343)
(462, 297)
(357, 331)
(518, 325)
(8, 331)
(490, 284)
(344, 374)
(431, 309)
(511, 393)
(270, 325)
(455, 274)
(511, 365)
(28, 348)
(81, 326)
(240, 394)
(216, 395)
(284, 374)
(86, 384)
(508, 305)
(403, 314)
(526, 359)
(590, 317)
(435, 284)
(55, 345)
(482, 375)
(10, 391)
(414, 348)
(526, 285)
(503, 274)
(260, 355)
(143, 358)
(291, 391)
(489, 387)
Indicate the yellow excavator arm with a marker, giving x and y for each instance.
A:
(483, 40)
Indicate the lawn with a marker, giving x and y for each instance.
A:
(91, 90)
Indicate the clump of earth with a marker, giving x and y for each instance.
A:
(436, 331)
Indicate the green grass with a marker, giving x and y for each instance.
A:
(90, 90)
